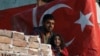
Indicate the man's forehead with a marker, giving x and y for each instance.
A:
(50, 20)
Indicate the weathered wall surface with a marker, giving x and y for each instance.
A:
(5, 4)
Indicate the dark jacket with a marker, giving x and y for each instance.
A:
(41, 31)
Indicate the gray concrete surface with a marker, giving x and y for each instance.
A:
(6, 4)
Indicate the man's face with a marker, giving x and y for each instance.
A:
(49, 25)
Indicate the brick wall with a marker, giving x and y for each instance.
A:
(18, 44)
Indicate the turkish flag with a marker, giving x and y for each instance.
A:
(75, 20)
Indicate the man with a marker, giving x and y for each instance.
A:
(24, 21)
(45, 31)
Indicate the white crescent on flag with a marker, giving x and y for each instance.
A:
(34, 17)
(49, 11)
(52, 9)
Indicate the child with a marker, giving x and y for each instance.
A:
(58, 46)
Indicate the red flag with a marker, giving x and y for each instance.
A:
(75, 21)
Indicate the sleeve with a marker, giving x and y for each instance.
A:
(64, 52)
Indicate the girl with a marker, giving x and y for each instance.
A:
(58, 46)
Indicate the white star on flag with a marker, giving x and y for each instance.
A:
(84, 20)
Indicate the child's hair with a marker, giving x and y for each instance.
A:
(62, 45)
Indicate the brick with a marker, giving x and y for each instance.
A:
(6, 33)
(46, 52)
(22, 55)
(18, 35)
(19, 50)
(46, 49)
(27, 37)
(2, 32)
(45, 46)
(33, 51)
(5, 39)
(34, 39)
(5, 47)
(19, 43)
(34, 45)
(0, 54)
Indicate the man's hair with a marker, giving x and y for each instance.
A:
(47, 1)
(47, 17)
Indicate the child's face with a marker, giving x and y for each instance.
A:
(57, 41)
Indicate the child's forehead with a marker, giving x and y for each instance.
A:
(57, 37)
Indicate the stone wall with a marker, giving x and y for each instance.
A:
(18, 44)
